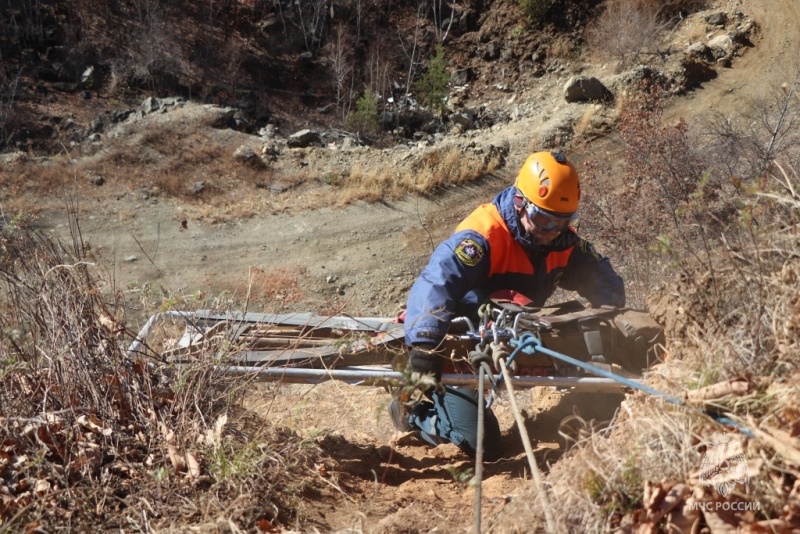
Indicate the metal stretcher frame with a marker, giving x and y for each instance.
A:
(361, 355)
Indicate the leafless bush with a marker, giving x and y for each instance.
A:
(748, 331)
(63, 373)
(157, 56)
(672, 206)
(741, 322)
(744, 145)
(626, 30)
(90, 433)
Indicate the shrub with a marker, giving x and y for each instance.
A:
(81, 416)
(432, 86)
(536, 10)
(365, 119)
(625, 31)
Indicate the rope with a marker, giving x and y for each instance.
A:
(479, 449)
(526, 442)
(528, 340)
(530, 344)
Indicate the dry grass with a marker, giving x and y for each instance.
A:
(563, 47)
(170, 162)
(737, 321)
(32, 187)
(602, 478)
(584, 123)
(94, 437)
(434, 169)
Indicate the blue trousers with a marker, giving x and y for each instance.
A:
(452, 417)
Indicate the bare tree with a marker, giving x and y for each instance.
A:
(440, 17)
(158, 56)
(145, 9)
(8, 93)
(339, 56)
(279, 9)
(359, 11)
(27, 25)
(378, 69)
(311, 18)
(412, 54)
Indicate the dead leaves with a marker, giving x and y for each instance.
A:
(781, 442)
(192, 465)
(43, 454)
(663, 501)
(742, 483)
(717, 496)
(738, 387)
(187, 462)
(678, 507)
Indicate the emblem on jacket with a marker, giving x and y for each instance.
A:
(469, 252)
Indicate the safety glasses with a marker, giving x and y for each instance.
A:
(544, 221)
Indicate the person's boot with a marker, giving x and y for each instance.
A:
(399, 416)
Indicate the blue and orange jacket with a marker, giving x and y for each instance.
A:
(489, 252)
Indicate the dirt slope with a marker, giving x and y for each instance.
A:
(773, 61)
(362, 259)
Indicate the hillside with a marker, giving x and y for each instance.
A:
(197, 199)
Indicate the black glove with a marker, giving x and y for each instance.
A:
(423, 359)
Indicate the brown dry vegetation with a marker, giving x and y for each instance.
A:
(731, 330)
(631, 32)
(727, 242)
(87, 429)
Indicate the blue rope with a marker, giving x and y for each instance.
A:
(530, 344)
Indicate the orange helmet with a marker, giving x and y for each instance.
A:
(550, 182)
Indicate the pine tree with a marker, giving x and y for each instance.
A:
(432, 85)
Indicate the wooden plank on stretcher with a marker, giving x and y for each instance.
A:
(374, 351)
(284, 342)
(305, 319)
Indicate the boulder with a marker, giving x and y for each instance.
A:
(584, 89)
(303, 139)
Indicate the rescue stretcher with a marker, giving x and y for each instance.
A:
(310, 348)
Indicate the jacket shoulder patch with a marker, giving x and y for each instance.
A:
(469, 252)
(587, 248)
